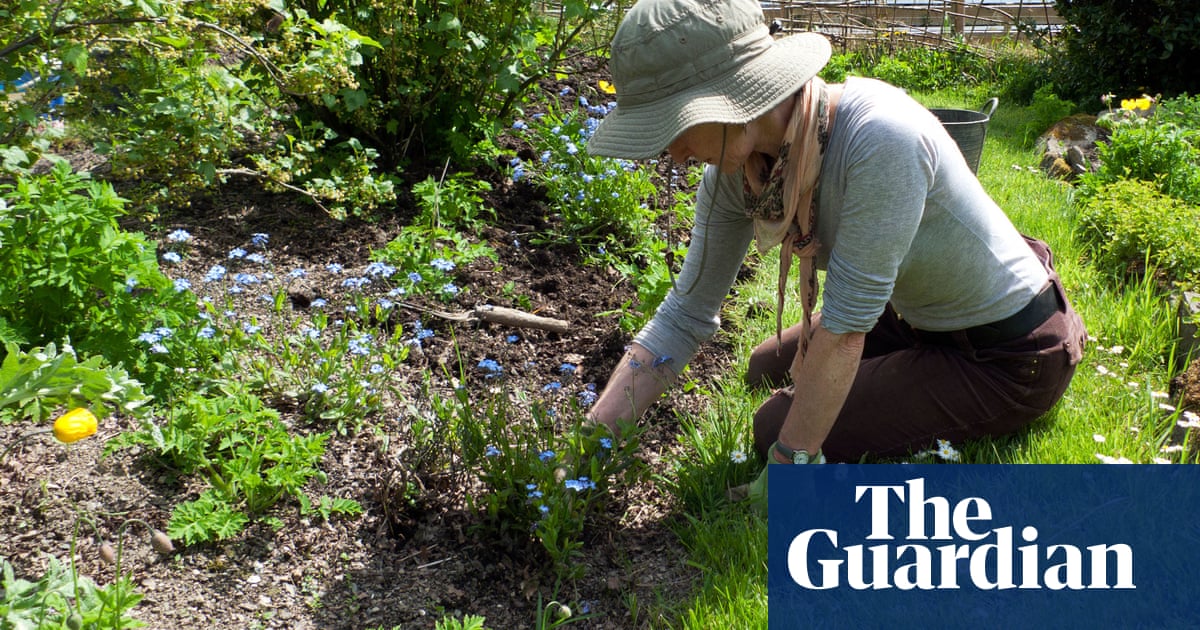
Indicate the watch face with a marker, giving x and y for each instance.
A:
(800, 457)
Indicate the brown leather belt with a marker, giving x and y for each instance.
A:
(1019, 324)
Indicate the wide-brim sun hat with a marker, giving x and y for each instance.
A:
(679, 63)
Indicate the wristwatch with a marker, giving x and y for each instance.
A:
(799, 456)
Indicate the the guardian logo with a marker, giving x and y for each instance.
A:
(948, 546)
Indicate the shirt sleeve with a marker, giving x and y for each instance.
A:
(690, 313)
(888, 178)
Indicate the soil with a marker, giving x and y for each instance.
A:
(389, 567)
(398, 564)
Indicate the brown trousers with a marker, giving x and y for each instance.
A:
(908, 394)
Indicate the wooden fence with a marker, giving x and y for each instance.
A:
(939, 23)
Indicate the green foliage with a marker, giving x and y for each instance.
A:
(241, 448)
(653, 276)
(542, 477)
(34, 383)
(1127, 47)
(207, 518)
(443, 70)
(61, 598)
(192, 92)
(595, 200)
(455, 203)
(334, 370)
(322, 97)
(1161, 149)
(469, 622)
(429, 249)
(1143, 204)
(326, 507)
(68, 270)
(1013, 73)
(195, 112)
(1128, 222)
(1046, 108)
(914, 67)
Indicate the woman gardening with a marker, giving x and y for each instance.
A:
(939, 320)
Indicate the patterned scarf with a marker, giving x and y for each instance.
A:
(782, 200)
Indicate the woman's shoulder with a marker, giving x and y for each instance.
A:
(877, 99)
(871, 110)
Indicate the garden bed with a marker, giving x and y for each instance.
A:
(399, 563)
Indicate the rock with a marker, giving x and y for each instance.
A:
(1185, 392)
(1068, 147)
(1188, 314)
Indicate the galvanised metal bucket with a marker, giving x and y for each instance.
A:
(968, 128)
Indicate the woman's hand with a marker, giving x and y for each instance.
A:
(635, 384)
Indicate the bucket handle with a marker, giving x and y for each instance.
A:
(989, 107)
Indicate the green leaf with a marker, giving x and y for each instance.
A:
(205, 519)
(76, 56)
(447, 22)
(354, 99)
(172, 41)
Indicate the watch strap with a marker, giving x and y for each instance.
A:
(798, 456)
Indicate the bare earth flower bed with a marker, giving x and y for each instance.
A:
(398, 564)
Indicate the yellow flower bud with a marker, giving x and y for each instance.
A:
(75, 425)
(607, 87)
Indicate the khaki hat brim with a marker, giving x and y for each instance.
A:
(644, 131)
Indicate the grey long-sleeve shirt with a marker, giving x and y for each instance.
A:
(901, 218)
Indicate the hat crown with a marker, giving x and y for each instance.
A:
(666, 46)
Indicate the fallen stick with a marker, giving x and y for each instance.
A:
(498, 315)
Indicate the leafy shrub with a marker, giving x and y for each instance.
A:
(915, 67)
(1046, 108)
(190, 93)
(1155, 149)
(323, 97)
(443, 70)
(68, 270)
(1129, 221)
(1127, 46)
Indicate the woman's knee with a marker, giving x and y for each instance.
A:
(771, 360)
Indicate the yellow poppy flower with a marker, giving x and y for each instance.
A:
(75, 425)
(607, 87)
(1135, 104)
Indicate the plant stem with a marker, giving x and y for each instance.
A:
(21, 439)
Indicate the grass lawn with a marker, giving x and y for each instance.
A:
(1116, 406)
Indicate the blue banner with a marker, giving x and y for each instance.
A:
(984, 546)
